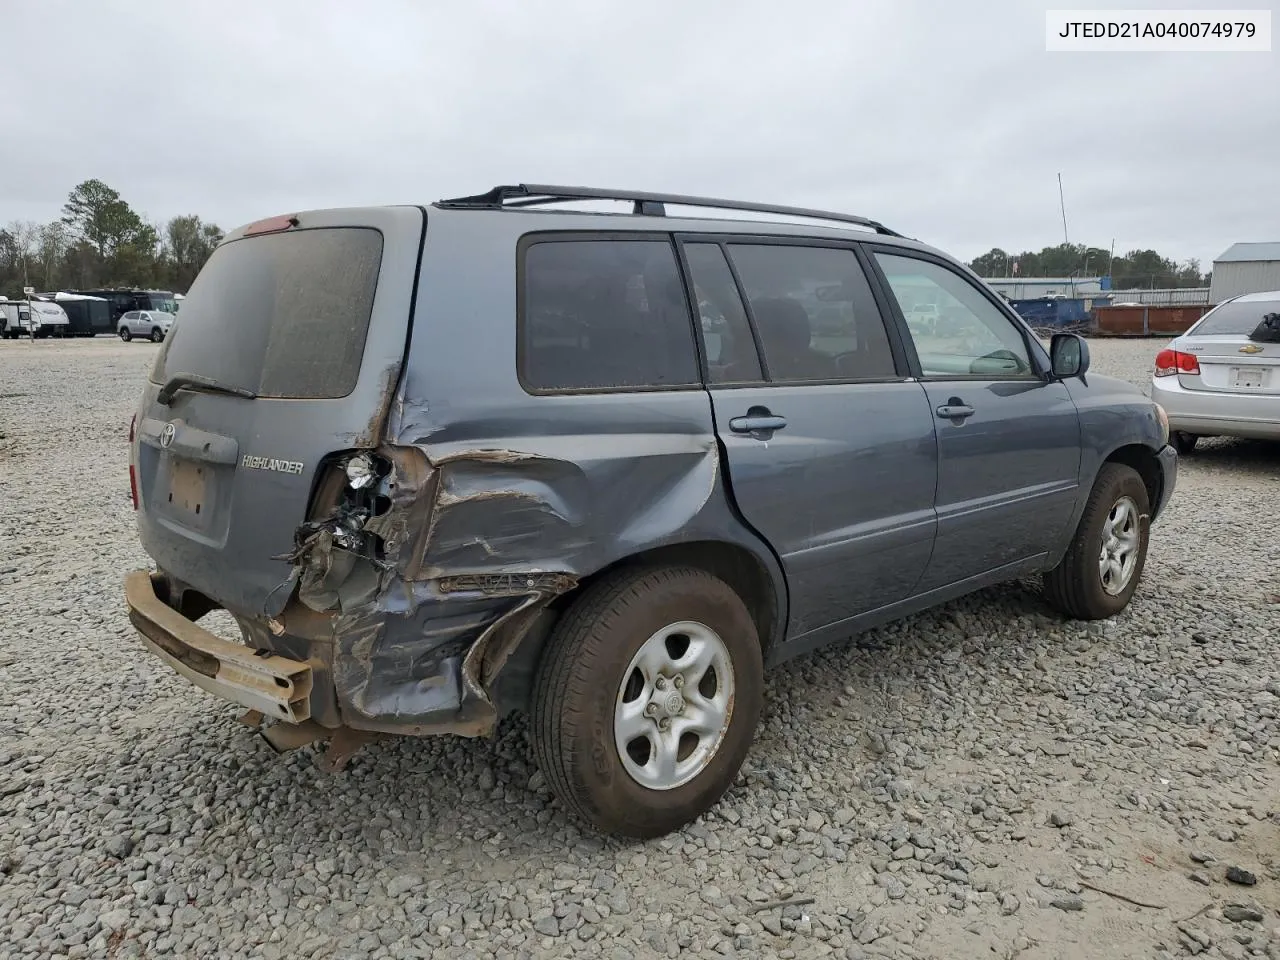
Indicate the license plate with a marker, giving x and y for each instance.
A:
(1248, 376)
(187, 489)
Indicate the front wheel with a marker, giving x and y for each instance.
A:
(1184, 443)
(647, 699)
(1100, 572)
(157, 335)
(125, 335)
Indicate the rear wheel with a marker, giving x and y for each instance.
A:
(1100, 572)
(647, 699)
(156, 334)
(1184, 443)
(125, 335)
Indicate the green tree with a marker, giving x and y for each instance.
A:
(136, 262)
(1189, 274)
(82, 266)
(994, 263)
(188, 244)
(95, 213)
(1137, 268)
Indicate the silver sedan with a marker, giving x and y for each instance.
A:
(1216, 380)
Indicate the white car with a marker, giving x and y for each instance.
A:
(152, 324)
(1217, 381)
(924, 316)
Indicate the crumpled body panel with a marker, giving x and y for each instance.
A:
(471, 545)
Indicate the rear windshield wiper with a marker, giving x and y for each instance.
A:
(193, 381)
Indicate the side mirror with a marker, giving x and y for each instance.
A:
(1069, 356)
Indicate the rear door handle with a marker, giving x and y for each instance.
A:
(758, 425)
(955, 410)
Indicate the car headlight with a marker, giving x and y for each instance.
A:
(1164, 422)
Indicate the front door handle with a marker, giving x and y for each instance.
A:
(955, 409)
(759, 424)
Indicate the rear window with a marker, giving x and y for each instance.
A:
(283, 315)
(603, 314)
(1235, 317)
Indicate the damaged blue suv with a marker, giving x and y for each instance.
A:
(503, 453)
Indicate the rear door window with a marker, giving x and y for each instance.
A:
(813, 312)
(603, 313)
(284, 315)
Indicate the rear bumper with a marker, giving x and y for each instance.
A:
(420, 671)
(277, 686)
(1211, 414)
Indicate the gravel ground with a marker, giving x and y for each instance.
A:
(963, 784)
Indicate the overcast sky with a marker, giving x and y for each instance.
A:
(948, 121)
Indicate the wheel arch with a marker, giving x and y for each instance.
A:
(1146, 463)
(739, 567)
(757, 579)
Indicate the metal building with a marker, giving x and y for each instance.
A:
(1245, 268)
(1030, 288)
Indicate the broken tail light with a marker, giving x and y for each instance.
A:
(133, 473)
(1172, 362)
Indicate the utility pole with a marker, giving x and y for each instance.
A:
(1063, 204)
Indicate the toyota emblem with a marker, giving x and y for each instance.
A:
(166, 435)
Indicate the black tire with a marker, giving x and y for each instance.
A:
(1075, 585)
(125, 335)
(157, 335)
(1184, 443)
(581, 673)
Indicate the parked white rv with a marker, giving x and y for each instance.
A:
(14, 315)
(24, 318)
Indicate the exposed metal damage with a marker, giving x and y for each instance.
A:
(414, 649)
(422, 582)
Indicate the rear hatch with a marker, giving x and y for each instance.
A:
(1230, 362)
(290, 343)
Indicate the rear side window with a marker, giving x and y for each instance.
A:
(603, 314)
(1235, 317)
(283, 315)
(813, 312)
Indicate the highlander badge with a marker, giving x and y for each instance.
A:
(271, 463)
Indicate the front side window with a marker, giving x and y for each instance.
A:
(813, 312)
(956, 330)
(604, 314)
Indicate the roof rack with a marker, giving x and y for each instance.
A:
(644, 203)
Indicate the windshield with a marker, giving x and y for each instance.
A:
(1235, 317)
(167, 304)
